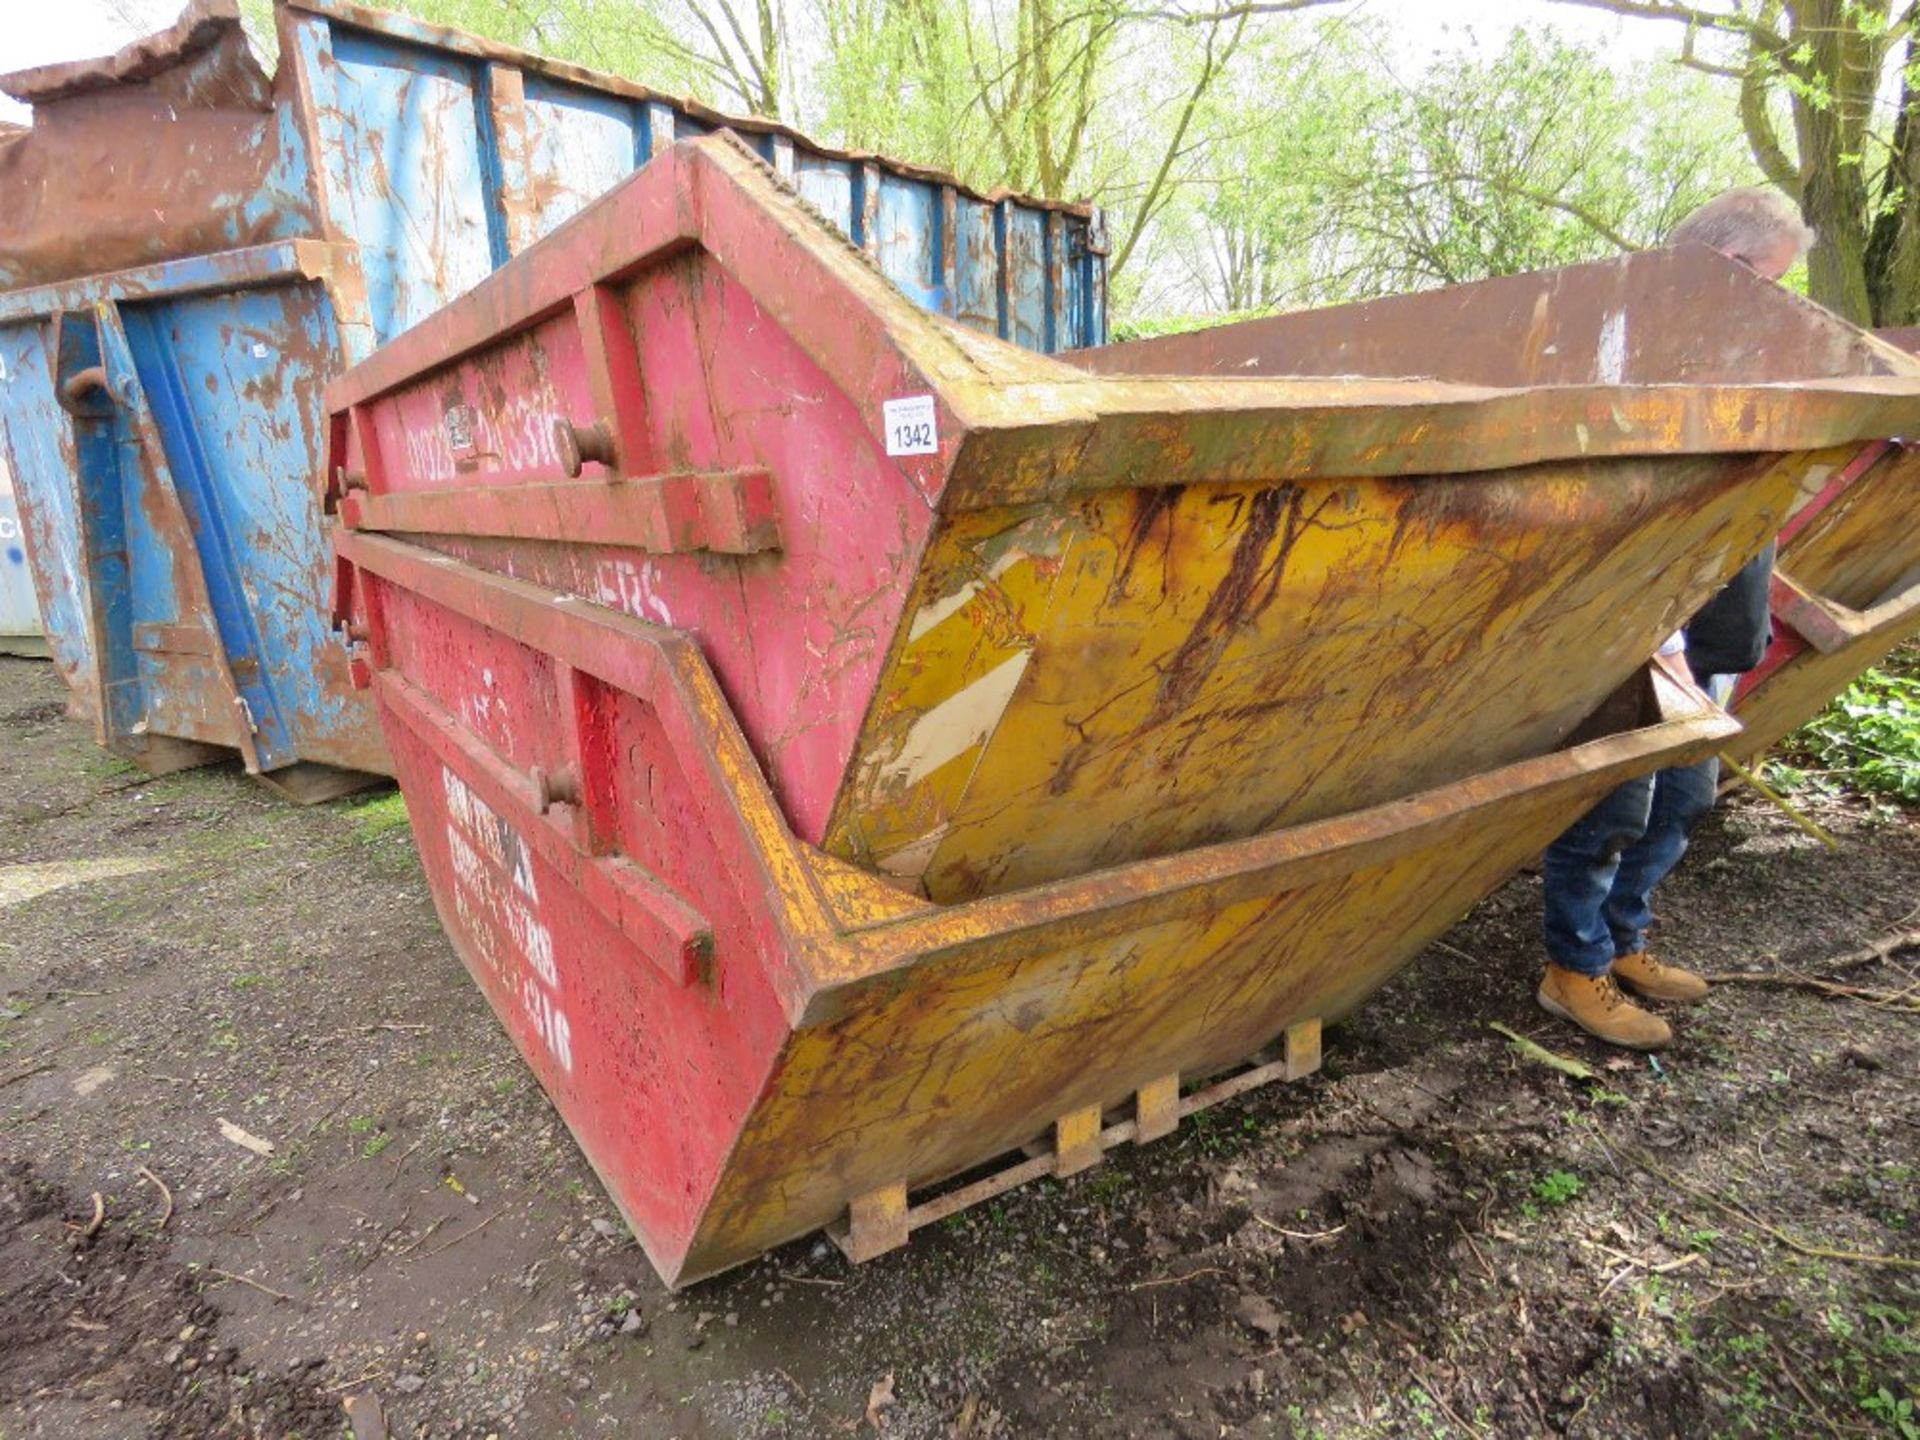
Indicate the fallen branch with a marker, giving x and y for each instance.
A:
(420, 1239)
(27, 1073)
(1793, 980)
(1787, 1370)
(1178, 1279)
(1631, 1263)
(812, 1280)
(1424, 1372)
(464, 1235)
(383, 1371)
(1741, 1213)
(1885, 948)
(1299, 1234)
(255, 1284)
(1484, 1265)
(1532, 1050)
(165, 1194)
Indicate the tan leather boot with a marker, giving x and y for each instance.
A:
(1645, 974)
(1595, 1004)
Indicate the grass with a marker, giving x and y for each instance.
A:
(378, 818)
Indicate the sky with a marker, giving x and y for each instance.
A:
(36, 32)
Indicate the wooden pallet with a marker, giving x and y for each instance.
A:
(883, 1219)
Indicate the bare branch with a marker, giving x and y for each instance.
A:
(1208, 69)
(1729, 22)
(1554, 202)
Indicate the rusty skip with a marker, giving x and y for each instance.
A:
(1061, 738)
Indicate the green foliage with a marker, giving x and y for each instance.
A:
(1868, 740)
(1896, 1414)
(1558, 1187)
(1246, 160)
(1542, 154)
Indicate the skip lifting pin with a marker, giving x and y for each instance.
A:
(578, 444)
(557, 787)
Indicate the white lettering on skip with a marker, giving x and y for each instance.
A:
(503, 920)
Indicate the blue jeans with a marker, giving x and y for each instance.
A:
(1601, 874)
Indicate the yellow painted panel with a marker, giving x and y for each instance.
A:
(972, 1056)
(1867, 540)
(1142, 671)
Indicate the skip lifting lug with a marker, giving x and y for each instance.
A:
(578, 444)
(554, 787)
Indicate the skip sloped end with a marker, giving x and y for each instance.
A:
(988, 1022)
(1682, 316)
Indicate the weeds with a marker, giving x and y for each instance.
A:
(1867, 741)
(1558, 1187)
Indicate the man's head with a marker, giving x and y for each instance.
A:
(1755, 225)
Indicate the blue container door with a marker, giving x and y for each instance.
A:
(157, 659)
(233, 382)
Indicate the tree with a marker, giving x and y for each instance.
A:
(1841, 76)
(1543, 155)
(1339, 180)
(1064, 99)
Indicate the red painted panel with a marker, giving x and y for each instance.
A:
(653, 1075)
(797, 637)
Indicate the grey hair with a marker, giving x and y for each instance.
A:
(1745, 223)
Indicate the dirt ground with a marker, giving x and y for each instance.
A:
(1436, 1236)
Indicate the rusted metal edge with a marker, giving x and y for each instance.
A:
(1827, 625)
(1534, 327)
(660, 923)
(283, 262)
(662, 667)
(1234, 430)
(1836, 486)
(199, 28)
(1221, 430)
(420, 32)
(662, 211)
(1205, 880)
(725, 512)
(512, 300)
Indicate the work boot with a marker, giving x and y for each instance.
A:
(1595, 1004)
(1645, 974)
